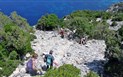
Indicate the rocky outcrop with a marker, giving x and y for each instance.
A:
(118, 25)
(85, 57)
(116, 8)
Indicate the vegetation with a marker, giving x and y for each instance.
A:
(86, 24)
(21, 22)
(100, 30)
(114, 24)
(48, 22)
(91, 74)
(66, 70)
(114, 66)
(14, 42)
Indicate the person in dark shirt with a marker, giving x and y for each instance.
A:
(49, 59)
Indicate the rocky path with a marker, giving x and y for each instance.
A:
(85, 57)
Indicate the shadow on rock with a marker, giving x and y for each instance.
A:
(96, 66)
(44, 68)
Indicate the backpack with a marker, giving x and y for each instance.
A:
(48, 59)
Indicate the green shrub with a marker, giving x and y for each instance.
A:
(91, 74)
(4, 20)
(114, 68)
(32, 37)
(85, 23)
(120, 32)
(17, 39)
(13, 55)
(21, 22)
(14, 42)
(114, 24)
(8, 67)
(117, 19)
(64, 71)
(48, 22)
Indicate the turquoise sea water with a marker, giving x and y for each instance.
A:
(32, 10)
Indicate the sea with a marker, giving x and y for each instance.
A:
(32, 10)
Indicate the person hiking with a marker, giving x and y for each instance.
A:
(62, 33)
(31, 65)
(49, 59)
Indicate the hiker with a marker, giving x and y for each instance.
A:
(31, 65)
(49, 59)
(71, 35)
(84, 39)
(61, 32)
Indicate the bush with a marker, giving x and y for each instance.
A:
(64, 71)
(91, 74)
(14, 42)
(48, 22)
(117, 19)
(120, 32)
(114, 24)
(21, 22)
(13, 55)
(8, 67)
(17, 39)
(85, 23)
(114, 68)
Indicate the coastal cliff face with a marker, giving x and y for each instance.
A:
(116, 8)
(84, 57)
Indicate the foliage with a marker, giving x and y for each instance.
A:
(20, 21)
(85, 23)
(80, 24)
(91, 15)
(8, 67)
(48, 22)
(120, 32)
(13, 55)
(114, 24)
(114, 51)
(15, 40)
(4, 20)
(91, 74)
(66, 70)
(114, 68)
